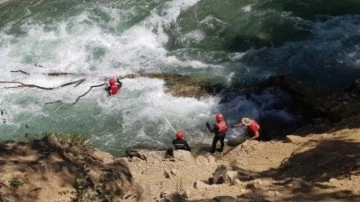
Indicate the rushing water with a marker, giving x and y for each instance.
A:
(317, 42)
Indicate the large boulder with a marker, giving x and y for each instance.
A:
(182, 155)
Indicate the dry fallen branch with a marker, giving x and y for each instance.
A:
(63, 74)
(95, 86)
(57, 101)
(24, 85)
(51, 73)
(21, 71)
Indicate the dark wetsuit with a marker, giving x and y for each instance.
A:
(218, 136)
(181, 144)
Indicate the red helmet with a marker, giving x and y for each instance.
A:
(180, 135)
(112, 81)
(219, 117)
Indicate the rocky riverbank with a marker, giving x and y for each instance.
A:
(318, 167)
(312, 167)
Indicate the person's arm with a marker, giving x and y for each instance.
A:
(187, 147)
(256, 135)
(120, 83)
(173, 142)
(208, 127)
(239, 125)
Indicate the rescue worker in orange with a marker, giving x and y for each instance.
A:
(252, 126)
(180, 143)
(114, 86)
(219, 129)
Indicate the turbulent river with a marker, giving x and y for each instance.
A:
(316, 42)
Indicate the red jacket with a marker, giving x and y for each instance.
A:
(254, 127)
(114, 89)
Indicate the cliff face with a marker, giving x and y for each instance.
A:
(46, 170)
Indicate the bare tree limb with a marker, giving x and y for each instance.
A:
(21, 71)
(24, 85)
(77, 82)
(95, 86)
(57, 101)
(51, 73)
(63, 74)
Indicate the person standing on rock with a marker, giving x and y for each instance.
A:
(180, 143)
(252, 126)
(219, 129)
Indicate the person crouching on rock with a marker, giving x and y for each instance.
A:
(219, 129)
(252, 126)
(180, 143)
(114, 86)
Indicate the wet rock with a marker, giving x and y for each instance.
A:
(132, 153)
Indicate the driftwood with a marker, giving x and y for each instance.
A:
(77, 83)
(57, 101)
(24, 85)
(78, 98)
(95, 86)
(21, 71)
(63, 74)
(50, 74)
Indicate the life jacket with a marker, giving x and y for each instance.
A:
(254, 127)
(114, 89)
(222, 127)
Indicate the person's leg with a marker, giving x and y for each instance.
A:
(222, 142)
(169, 153)
(213, 147)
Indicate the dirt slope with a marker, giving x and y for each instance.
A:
(47, 171)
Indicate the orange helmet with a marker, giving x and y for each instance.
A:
(219, 117)
(112, 81)
(180, 135)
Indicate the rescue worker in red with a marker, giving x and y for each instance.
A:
(252, 126)
(219, 129)
(180, 143)
(114, 86)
